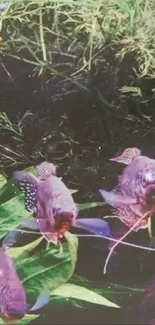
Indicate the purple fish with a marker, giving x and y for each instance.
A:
(13, 303)
(53, 205)
(12, 294)
(134, 195)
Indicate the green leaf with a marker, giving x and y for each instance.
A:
(11, 189)
(79, 292)
(119, 294)
(11, 214)
(151, 232)
(45, 269)
(8, 191)
(17, 253)
(150, 227)
(27, 319)
(3, 180)
(86, 206)
(73, 191)
(33, 170)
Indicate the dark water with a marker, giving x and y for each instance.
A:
(79, 133)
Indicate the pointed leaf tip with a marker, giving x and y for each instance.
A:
(78, 292)
(73, 191)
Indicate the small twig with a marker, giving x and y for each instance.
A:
(120, 240)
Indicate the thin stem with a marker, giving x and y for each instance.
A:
(94, 22)
(7, 149)
(42, 36)
(12, 159)
(22, 59)
(120, 240)
(6, 70)
(117, 241)
(87, 235)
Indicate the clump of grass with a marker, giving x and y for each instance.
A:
(32, 139)
(12, 142)
(68, 37)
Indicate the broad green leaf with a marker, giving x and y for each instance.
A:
(11, 189)
(73, 248)
(57, 301)
(1, 321)
(119, 294)
(45, 269)
(79, 292)
(8, 191)
(3, 180)
(11, 214)
(23, 251)
(90, 205)
(101, 286)
(27, 319)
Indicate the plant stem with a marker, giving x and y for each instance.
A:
(41, 28)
